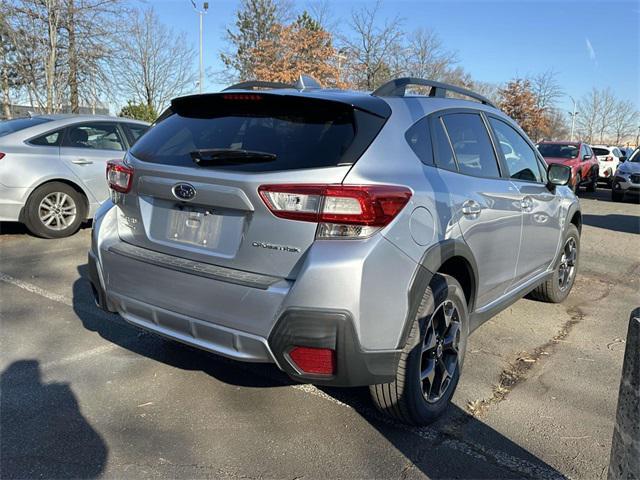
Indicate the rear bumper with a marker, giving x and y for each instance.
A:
(295, 327)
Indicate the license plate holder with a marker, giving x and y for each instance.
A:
(194, 226)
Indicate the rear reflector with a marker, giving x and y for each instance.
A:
(345, 211)
(119, 176)
(314, 360)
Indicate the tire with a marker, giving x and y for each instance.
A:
(553, 290)
(616, 196)
(576, 185)
(58, 204)
(403, 398)
(592, 186)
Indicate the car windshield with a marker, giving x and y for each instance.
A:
(11, 126)
(558, 150)
(636, 156)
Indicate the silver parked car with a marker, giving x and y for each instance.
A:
(626, 180)
(348, 238)
(52, 168)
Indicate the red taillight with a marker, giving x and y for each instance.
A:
(119, 176)
(609, 159)
(314, 360)
(1, 155)
(346, 211)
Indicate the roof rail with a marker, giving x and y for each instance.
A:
(398, 87)
(253, 84)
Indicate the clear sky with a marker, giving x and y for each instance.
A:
(588, 43)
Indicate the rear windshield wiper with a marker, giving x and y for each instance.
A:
(214, 156)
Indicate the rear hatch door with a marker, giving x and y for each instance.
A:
(198, 170)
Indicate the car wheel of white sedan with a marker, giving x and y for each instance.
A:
(55, 210)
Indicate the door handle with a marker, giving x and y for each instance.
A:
(82, 161)
(526, 204)
(471, 207)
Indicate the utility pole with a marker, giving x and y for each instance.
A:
(205, 7)
(573, 116)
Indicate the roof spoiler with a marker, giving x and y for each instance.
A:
(398, 88)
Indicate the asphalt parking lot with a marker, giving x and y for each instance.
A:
(84, 395)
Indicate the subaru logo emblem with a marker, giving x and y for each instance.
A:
(184, 191)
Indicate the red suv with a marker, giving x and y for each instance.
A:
(577, 155)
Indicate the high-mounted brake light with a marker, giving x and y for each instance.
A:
(119, 176)
(342, 211)
(242, 96)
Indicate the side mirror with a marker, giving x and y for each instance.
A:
(558, 175)
(622, 159)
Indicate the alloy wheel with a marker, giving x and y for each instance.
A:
(440, 351)
(57, 211)
(567, 267)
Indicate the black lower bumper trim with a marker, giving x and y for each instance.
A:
(99, 294)
(335, 330)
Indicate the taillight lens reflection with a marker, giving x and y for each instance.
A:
(119, 176)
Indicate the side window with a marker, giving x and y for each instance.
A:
(135, 131)
(419, 140)
(443, 154)
(520, 158)
(583, 151)
(471, 144)
(100, 136)
(51, 139)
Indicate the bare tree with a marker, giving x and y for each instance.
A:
(546, 88)
(154, 64)
(589, 108)
(372, 48)
(427, 57)
(605, 112)
(623, 121)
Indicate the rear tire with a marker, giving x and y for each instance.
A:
(55, 210)
(592, 186)
(616, 196)
(558, 287)
(576, 185)
(431, 359)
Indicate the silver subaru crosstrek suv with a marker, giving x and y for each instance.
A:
(348, 238)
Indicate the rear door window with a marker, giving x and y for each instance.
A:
(443, 152)
(95, 136)
(289, 132)
(601, 151)
(471, 145)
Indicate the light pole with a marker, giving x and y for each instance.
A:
(205, 7)
(573, 116)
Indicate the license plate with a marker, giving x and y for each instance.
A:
(195, 226)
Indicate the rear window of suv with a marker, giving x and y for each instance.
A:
(601, 151)
(299, 132)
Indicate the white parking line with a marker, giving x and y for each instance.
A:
(30, 287)
(468, 447)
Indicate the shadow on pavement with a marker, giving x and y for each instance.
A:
(457, 446)
(614, 221)
(43, 432)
